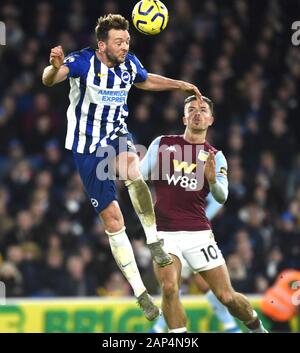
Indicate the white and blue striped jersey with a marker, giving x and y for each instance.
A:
(98, 99)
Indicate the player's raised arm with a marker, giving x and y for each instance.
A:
(216, 175)
(56, 72)
(212, 206)
(161, 83)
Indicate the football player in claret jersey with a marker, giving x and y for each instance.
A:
(100, 80)
(187, 168)
(229, 325)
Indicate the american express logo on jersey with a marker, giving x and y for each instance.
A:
(113, 96)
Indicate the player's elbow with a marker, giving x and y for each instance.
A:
(142, 85)
(47, 82)
(221, 198)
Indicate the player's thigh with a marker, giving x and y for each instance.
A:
(99, 188)
(170, 246)
(218, 280)
(186, 271)
(127, 166)
(126, 161)
(201, 284)
(169, 275)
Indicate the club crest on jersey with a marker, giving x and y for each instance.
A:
(125, 77)
(69, 59)
(203, 155)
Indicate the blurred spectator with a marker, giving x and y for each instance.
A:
(116, 285)
(53, 274)
(12, 278)
(78, 283)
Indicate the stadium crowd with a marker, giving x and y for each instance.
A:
(238, 52)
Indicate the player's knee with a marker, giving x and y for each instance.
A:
(170, 289)
(113, 221)
(133, 173)
(226, 298)
(113, 226)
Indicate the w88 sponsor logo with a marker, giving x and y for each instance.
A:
(183, 181)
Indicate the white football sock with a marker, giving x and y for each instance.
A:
(178, 330)
(124, 256)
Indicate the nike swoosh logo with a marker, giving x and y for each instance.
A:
(101, 75)
(123, 266)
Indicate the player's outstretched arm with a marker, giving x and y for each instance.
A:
(56, 72)
(161, 83)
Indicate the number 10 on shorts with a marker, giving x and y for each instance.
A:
(210, 253)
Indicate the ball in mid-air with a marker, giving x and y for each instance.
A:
(150, 16)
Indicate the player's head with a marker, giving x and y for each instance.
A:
(113, 37)
(198, 116)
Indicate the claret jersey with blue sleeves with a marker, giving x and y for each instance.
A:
(98, 99)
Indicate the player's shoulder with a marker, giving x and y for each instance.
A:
(83, 54)
(131, 57)
(208, 146)
(171, 139)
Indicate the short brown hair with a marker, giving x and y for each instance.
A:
(206, 100)
(107, 22)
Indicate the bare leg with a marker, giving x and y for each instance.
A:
(220, 310)
(237, 304)
(200, 283)
(169, 279)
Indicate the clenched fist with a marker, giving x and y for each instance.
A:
(57, 57)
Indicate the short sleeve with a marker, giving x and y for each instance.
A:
(141, 74)
(74, 62)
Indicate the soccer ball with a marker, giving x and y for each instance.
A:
(150, 16)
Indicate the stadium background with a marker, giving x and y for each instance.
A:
(240, 54)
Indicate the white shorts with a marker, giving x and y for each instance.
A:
(196, 250)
